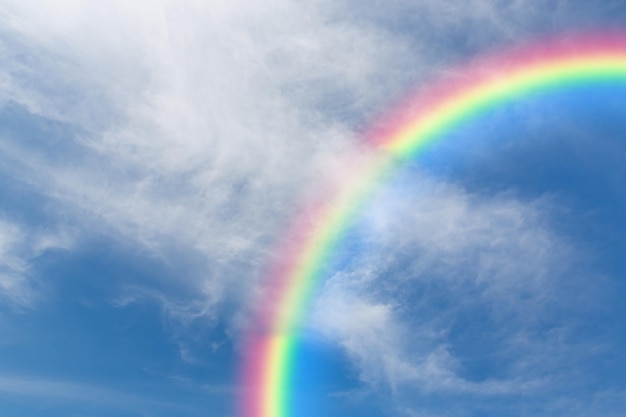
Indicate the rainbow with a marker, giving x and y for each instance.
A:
(427, 116)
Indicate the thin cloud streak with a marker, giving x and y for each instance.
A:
(61, 391)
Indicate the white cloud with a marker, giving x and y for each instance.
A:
(187, 132)
(185, 317)
(444, 273)
(19, 248)
(190, 128)
(198, 125)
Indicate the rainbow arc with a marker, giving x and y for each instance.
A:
(426, 117)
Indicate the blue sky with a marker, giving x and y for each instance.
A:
(152, 153)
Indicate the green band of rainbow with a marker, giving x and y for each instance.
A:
(428, 116)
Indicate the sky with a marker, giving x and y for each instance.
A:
(152, 154)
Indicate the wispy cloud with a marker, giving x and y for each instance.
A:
(20, 246)
(55, 391)
(183, 315)
(450, 273)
